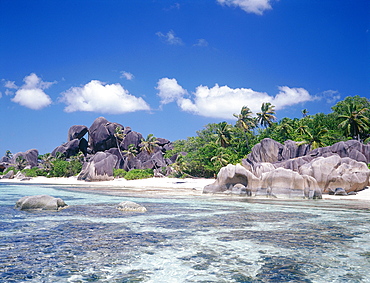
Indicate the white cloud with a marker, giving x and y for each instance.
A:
(96, 96)
(10, 84)
(223, 101)
(249, 6)
(127, 76)
(8, 92)
(31, 94)
(169, 90)
(330, 96)
(290, 96)
(170, 38)
(201, 43)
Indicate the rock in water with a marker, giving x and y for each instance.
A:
(40, 202)
(131, 206)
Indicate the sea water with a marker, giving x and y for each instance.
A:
(191, 239)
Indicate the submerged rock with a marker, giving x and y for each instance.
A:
(40, 202)
(131, 206)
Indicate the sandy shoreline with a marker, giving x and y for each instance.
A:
(148, 187)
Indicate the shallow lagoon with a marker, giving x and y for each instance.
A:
(188, 239)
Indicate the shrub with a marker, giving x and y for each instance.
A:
(119, 173)
(10, 168)
(63, 168)
(30, 172)
(139, 174)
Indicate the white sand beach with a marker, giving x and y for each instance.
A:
(121, 186)
(149, 187)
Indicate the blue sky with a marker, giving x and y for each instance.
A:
(171, 67)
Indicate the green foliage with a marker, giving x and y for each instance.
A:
(135, 174)
(219, 144)
(34, 172)
(119, 173)
(10, 168)
(63, 168)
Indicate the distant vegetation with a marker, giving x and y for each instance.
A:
(222, 143)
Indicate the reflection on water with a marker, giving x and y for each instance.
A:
(183, 240)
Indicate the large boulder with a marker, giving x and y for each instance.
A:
(268, 150)
(68, 149)
(102, 135)
(99, 167)
(131, 137)
(333, 172)
(77, 132)
(285, 183)
(231, 175)
(40, 202)
(31, 157)
(279, 182)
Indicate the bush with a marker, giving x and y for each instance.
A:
(119, 173)
(34, 172)
(139, 174)
(10, 168)
(63, 168)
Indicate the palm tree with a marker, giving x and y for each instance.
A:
(301, 128)
(47, 161)
(118, 134)
(315, 138)
(223, 132)
(9, 154)
(245, 120)
(221, 158)
(304, 113)
(180, 165)
(129, 154)
(266, 117)
(353, 121)
(20, 162)
(148, 144)
(285, 128)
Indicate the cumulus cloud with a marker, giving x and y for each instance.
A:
(169, 90)
(249, 6)
(31, 94)
(170, 38)
(127, 76)
(223, 101)
(290, 96)
(97, 96)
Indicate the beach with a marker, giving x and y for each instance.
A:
(149, 187)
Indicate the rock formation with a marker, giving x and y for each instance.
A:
(99, 167)
(104, 150)
(292, 170)
(41, 202)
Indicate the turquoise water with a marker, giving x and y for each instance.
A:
(193, 239)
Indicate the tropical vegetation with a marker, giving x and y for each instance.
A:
(218, 144)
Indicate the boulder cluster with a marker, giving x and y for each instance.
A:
(106, 148)
(293, 170)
